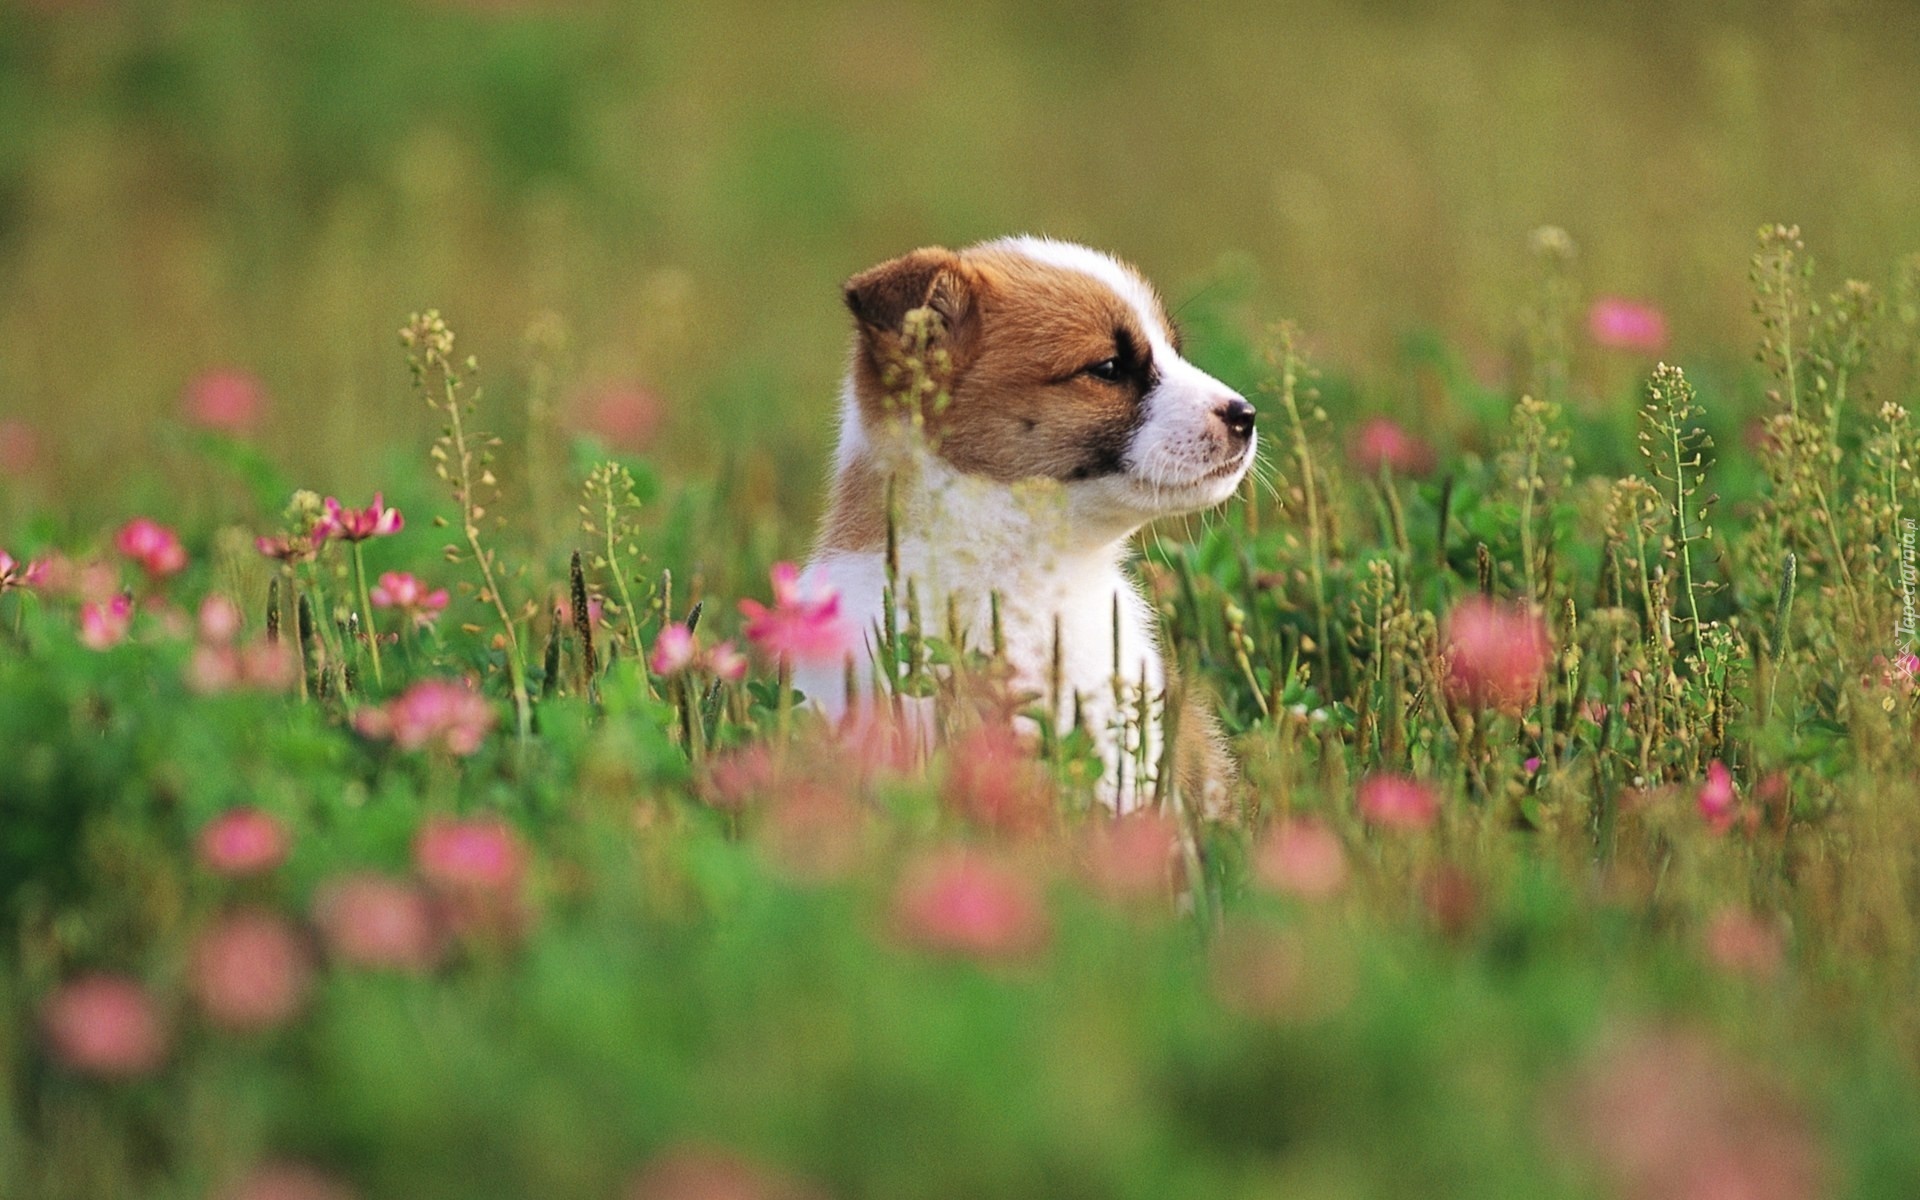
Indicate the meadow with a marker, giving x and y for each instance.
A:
(407, 414)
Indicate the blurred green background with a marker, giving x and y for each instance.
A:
(275, 186)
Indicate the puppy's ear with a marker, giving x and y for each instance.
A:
(881, 297)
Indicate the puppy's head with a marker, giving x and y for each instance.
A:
(1059, 363)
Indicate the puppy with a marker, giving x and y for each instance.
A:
(1028, 402)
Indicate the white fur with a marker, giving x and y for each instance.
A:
(1050, 550)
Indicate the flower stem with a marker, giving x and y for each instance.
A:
(366, 609)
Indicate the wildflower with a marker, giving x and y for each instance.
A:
(954, 902)
(1133, 858)
(1618, 324)
(993, 782)
(738, 776)
(1717, 800)
(288, 1181)
(153, 546)
(357, 524)
(286, 548)
(1741, 943)
(703, 1173)
(398, 589)
(1496, 653)
(625, 416)
(219, 619)
(258, 666)
(369, 920)
(104, 1025)
(482, 854)
(251, 972)
(226, 400)
(17, 574)
(1396, 802)
(242, 841)
(434, 711)
(727, 663)
(596, 611)
(1382, 443)
(673, 651)
(1303, 858)
(800, 627)
(104, 624)
(20, 450)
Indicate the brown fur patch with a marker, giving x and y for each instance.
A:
(1018, 337)
(856, 518)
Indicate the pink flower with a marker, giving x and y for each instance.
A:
(1133, 858)
(227, 400)
(104, 1025)
(398, 589)
(626, 416)
(358, 524)
(104, 624)
(954, 902)
(219, 619)
(251, 972)
(800, 627)
(1382, 443)
(242, 841)
(481, 854)
(288, 1181)
(1496, 653)
(439, 712)
(673, 651)
(1618, 324)
(727, 663)
(1396, 802)
(369, 920)
(16, 574)
(994, 782)
(1303, 858)
(20, 450)
(1717, 799)
(289, 549)
(692, 1172)
(152, 545)
(1740, 943)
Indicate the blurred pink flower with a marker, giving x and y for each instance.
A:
(219, 619)
(563, 611)
(1619, 324)
(674, 651)
(288, 1181)
(398, 589)
(625, 416)
(258, 666)
(227, 400)
(736, 777)
(1301, 857)
(104, 624)
(441, 712)
(993, 781)
(20, 450)
(956, 902)
(802, 626)
(1717, 799)
(1451, 897)
(694, 1172)
(104, 1025)
(17, 574)
(358, 524)
(1741, 943)
(369, 920)
(1496, 653)
(480, 853)
(812, 832)
(251, 971)
(242, 841)
(727, 663)
(153, 546)
(1396, 802)
(1382, 442)
(1132, 858)
(289, 549)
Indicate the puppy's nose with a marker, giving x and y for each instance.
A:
(1237, 415)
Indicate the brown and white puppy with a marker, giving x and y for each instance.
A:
(1071, 420)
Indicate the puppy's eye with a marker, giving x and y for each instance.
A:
(1107, 369)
